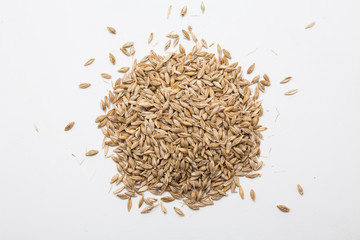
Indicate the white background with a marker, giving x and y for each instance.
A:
(46, 194)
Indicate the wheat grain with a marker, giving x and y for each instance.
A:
(129, 204)
(36, 128)
(69, 126)
(112, 58)
(286, 80)
(123, 69)
(283, 208)
(111, 30)
(84, 85)
(179, 212)
(251, 68)
(241, 192)
(149, 208)
(291, 92)
(167, 45)
(125, 51)
(163, 208)
(106, 76)
(183, 11)
(252, 194)
(300, 189)
(90, 61)
(151, 36)
(114, 178)
(169, 11)
(128, 44)
(186, 34)
(91, 152)
(202, 7)
(310, 25)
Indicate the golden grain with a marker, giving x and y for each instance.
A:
(291, 92)
(186, 34)
(114, 178)
(163, 208)
(106, 76)
(125, 51)
(286, 80)
(112, 58)
(169, 11)
(167, 45)
(179, 212)
(129, 204)
(90, 61)
(128, 44)
(283, 208)
(111, 30)
(150, 37)
(202, 6)
(252, 194)
(184, 11)
(69, 126)
(251, 68)
(310, 25)
(84, 85)
(241, 192)
(300, 189)
(123, 69)
(91, 153)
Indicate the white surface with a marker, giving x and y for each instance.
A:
(45, 194)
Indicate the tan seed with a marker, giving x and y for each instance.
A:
(123, 69)
(251, 68)
(119, 190)
(300, 189)
(106, 76)
(141, 201)
(163, 208)
(167, 199)
(149, 208)
(291, 92)
(125, 51)
(266, 77)
(84, 85)
(91, 153)
(114, 178)
(150, 38)
(186, 34)
(194, 38)
(176, 41)
(283, 208)
(112, 58)
(69, 126)
(179, 212)
(310, 25)
(129, 204)
(241, 192)
(202, 7)
(128, 44)
(255, 79)
(111, 30)
(184, 11)
(226, 53)
(252, 194)
(90, 61)
(36, 128)
(286, 80)
(169, 11)
(167, 45)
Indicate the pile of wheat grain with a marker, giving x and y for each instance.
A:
(185, 124)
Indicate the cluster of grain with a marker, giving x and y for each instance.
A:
(186, 124)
